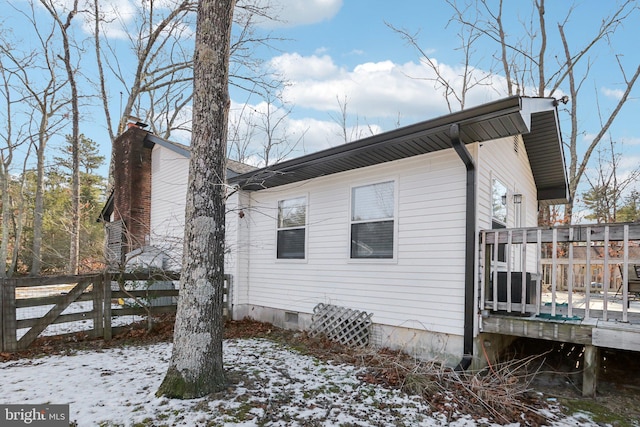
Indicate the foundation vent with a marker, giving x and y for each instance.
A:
(341, 324)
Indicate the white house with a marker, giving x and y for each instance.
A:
(387, 225)
(144, 215)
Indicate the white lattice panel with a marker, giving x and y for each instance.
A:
(341, 324)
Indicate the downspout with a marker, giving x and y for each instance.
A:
(470, 243)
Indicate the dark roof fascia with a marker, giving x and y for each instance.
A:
(107, 209)
(546, 154)
(471, 115)
(506, 117)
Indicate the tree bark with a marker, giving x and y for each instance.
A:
(38, 211)
(74, 247)
(196, 367)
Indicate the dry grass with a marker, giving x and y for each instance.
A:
(500, 393)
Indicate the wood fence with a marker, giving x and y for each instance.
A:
(31, 306)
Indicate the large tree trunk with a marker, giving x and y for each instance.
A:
(196, 367)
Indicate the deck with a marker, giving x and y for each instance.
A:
(575, 328)
(575, 284)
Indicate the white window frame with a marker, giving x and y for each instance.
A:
(501, 263)
(305, 227)
(394, 257)
(501, 221)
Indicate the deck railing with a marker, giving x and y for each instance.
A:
(578, 272)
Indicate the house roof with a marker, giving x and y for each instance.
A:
(536, 119)
(234, 168)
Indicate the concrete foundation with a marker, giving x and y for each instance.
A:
(417, 342)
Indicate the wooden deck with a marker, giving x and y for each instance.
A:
(592, 331)
(578, 285)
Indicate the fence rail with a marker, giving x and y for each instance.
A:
(32, 306)
(570, 272)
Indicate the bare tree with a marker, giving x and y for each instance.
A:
(261, 134)
(346, 132)
(158, 90)
(607, 186)
(46, 97)
(196, 367)
(12, 139)
(63, 24)
(156, 38)
(454, 88)
(530, 67)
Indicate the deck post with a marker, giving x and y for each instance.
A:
(590, 373)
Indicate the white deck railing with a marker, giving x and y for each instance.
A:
(576, 272)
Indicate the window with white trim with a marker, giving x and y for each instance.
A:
(372, 220)
(292, 224)
(499, 202)
(499, 212)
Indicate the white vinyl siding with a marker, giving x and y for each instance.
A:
(169, 177)
(423, 288)
(498, 160)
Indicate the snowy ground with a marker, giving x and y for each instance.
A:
(69, 327)
(270, 385)
(39, 311)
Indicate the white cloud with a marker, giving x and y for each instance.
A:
(631, 140)
(628, 163)
(119, 18)
(373, 89)
(293, 13)
(311, 67)
(116, 15)
(613, 93)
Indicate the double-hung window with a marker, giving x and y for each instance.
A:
(372, 220)
(292, 223)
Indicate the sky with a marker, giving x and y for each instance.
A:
(342, 57)
(350, 53)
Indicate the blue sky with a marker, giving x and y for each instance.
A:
(343, 51)
(350, 52)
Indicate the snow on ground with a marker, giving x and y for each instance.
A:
(270, 385)
(70, 327)
(40, 311)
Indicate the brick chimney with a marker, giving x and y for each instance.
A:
(132, 188)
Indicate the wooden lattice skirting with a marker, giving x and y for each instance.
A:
(341, 324)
